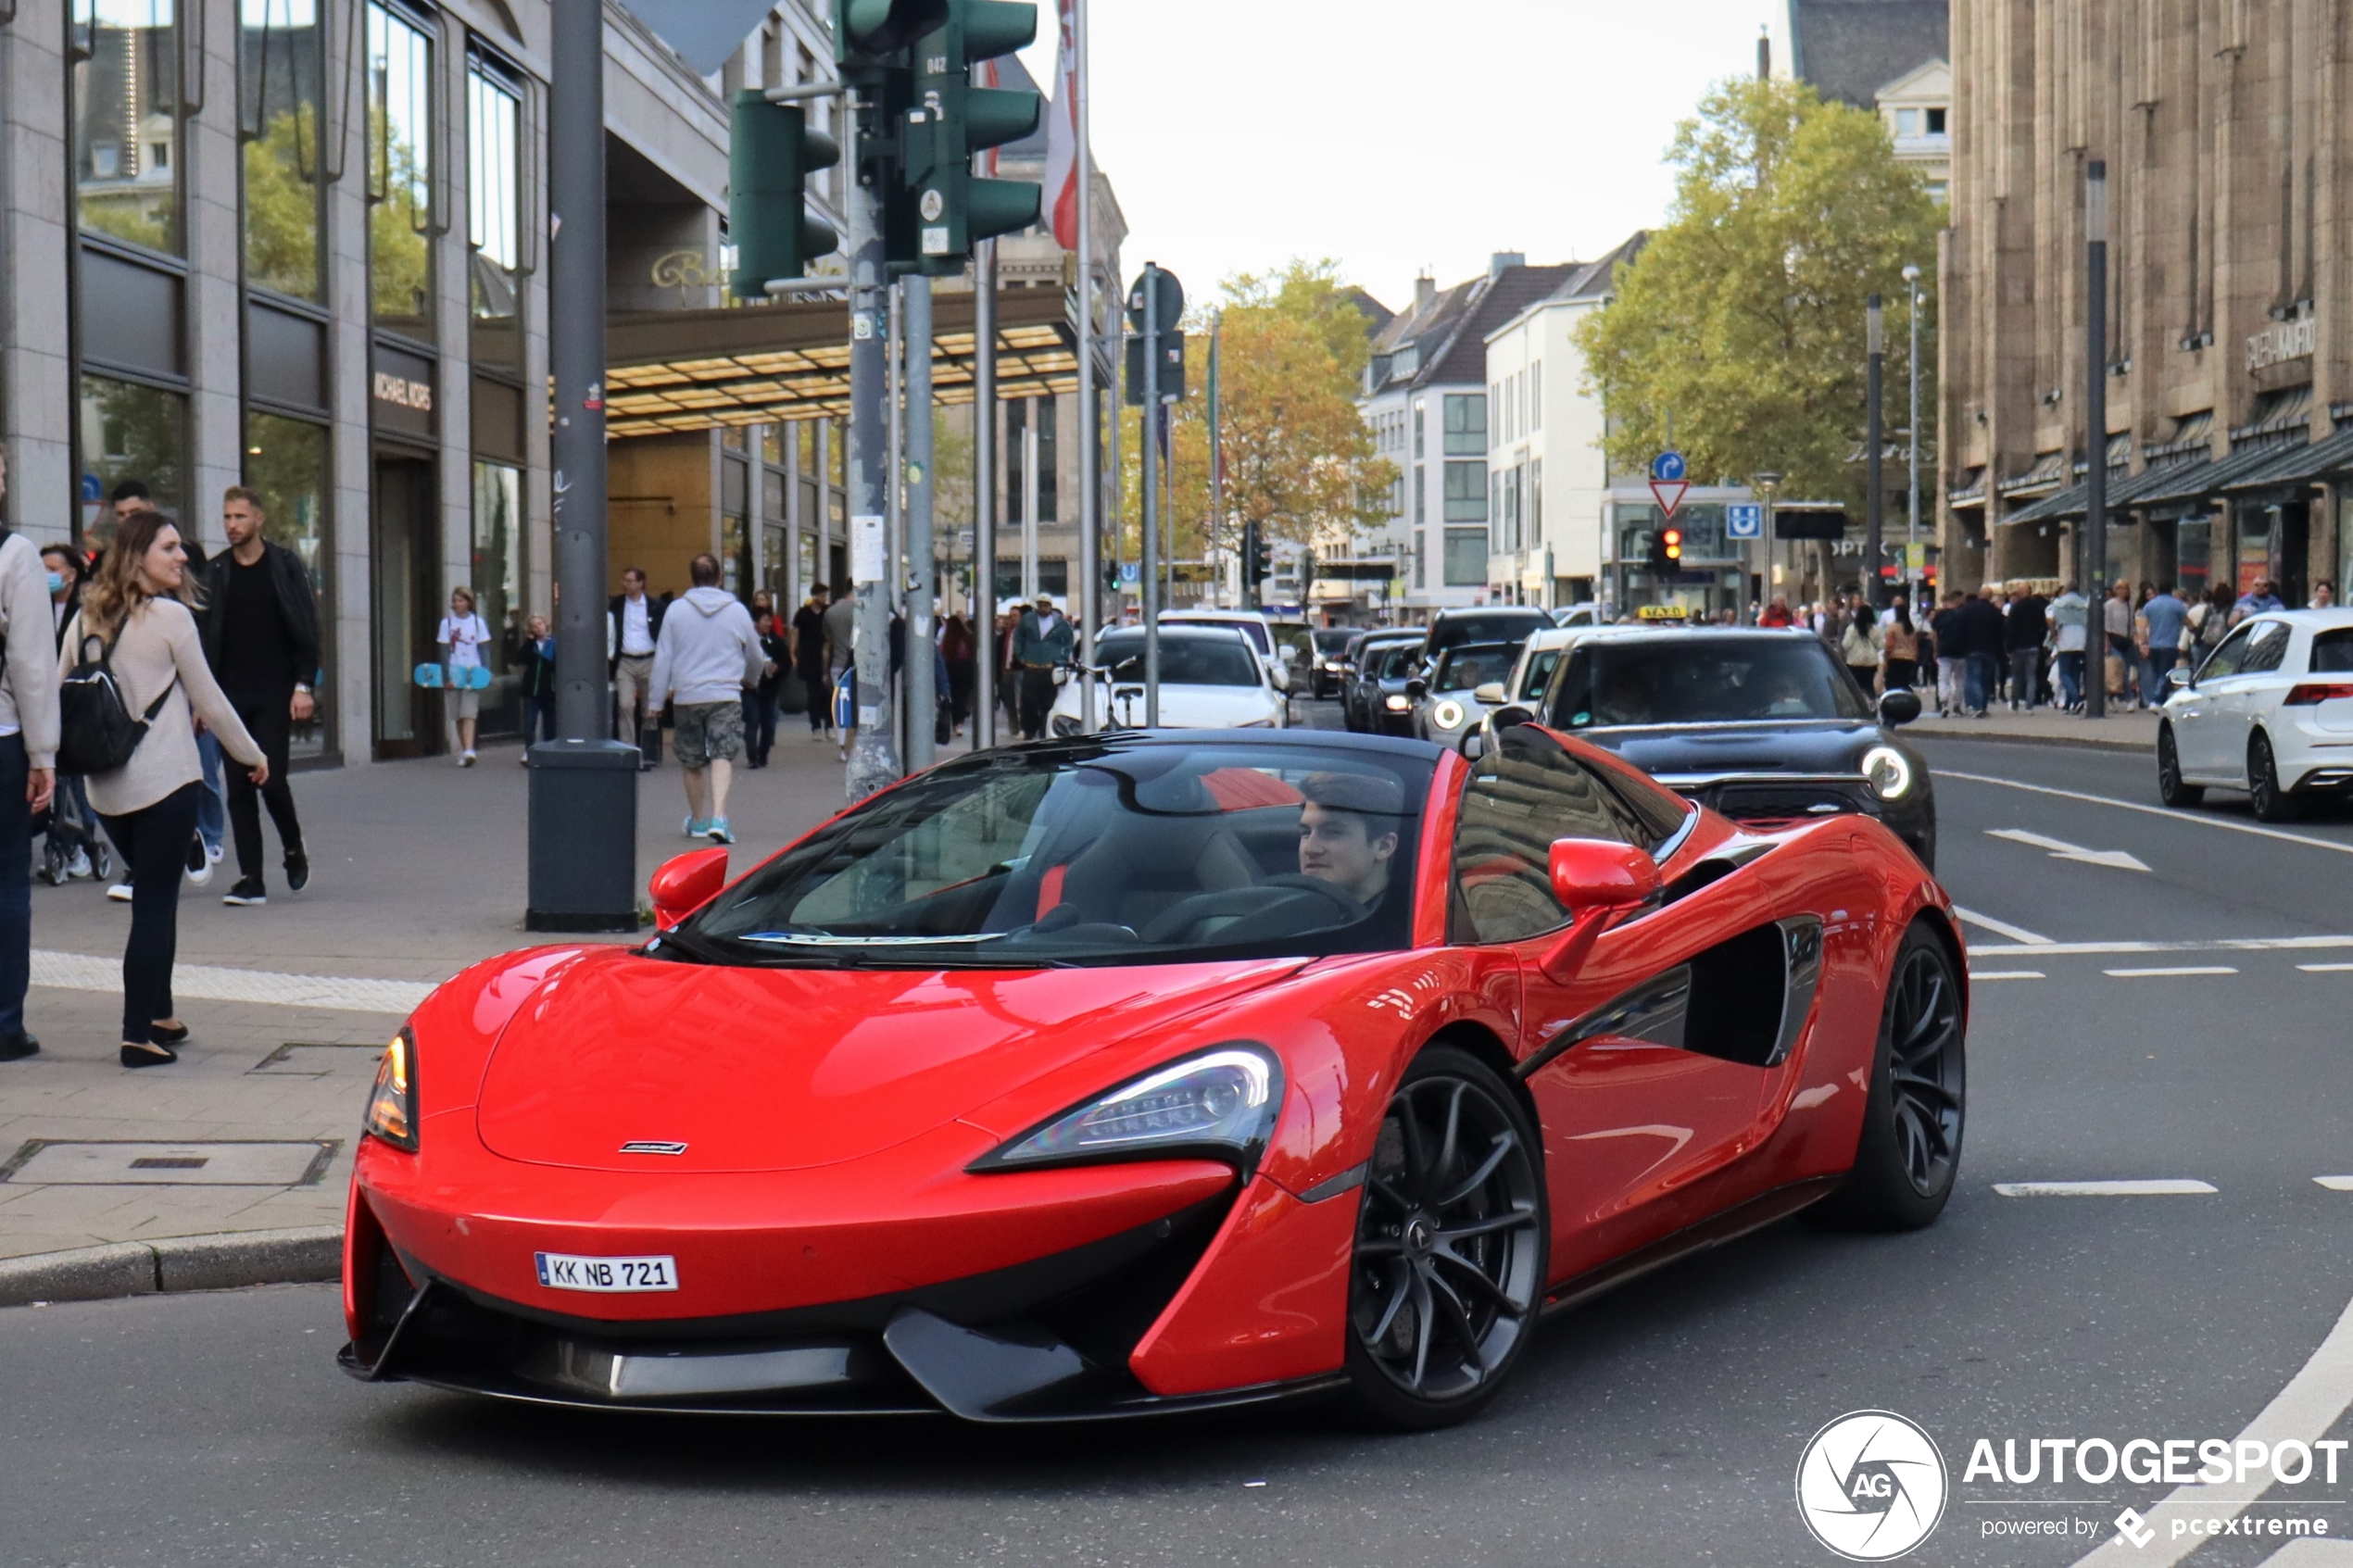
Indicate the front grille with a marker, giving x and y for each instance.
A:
(1764, 804)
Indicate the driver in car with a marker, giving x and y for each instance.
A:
(1348, 833)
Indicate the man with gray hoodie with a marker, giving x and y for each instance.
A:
(708, 651)
(27, 760)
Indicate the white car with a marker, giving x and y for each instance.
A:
(1524, 688)
(1210, 679)
(2271, 712)
(1257, 626)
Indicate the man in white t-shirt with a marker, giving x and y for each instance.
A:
(461, 635)
(636, 633)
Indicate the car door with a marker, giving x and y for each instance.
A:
(1633, 1122)
(2255, 691)
(2198, 724)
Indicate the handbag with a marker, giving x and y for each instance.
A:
(95, 731)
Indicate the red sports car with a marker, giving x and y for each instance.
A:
(1148, 1072)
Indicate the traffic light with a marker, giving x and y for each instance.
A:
(771, 155)
(938, 207)
(1672, 541)
(1658, 560)
(1258, 560)
(874, 42)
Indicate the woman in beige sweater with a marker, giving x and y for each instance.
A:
(139, 603)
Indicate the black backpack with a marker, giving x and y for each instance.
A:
(95, 732)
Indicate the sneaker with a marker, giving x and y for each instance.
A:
(466, 759)
(199, 863)
(247, 893)
(298, 871)
(694, 827)
(718, 831)
(120, 893)
(80, 865)
(17, 1047)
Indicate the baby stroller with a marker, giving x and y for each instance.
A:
(72, 845)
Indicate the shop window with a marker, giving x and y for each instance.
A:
(400, 172)
(494, 217)
(130, 432)
(278, 100)
(125, 120)
(286, 465)
(497, 570)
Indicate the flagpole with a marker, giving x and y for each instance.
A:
(1216, 529)
(1090, 552)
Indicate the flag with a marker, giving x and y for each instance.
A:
(1061, 133)
(984, 75)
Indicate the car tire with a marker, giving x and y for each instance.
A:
(2264, 796)
(1910, 1153)
(1453, 1231)
(2169, 788)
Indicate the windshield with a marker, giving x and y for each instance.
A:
(1184, 661)
(1334, 641)
(1487, 626)
(1254, 630)
(1539, 676)
(1392, 661)
(1700, 680)
(1105, 851)
(1468, 669)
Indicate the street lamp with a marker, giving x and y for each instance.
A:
(1912, 456)
(1767, 483)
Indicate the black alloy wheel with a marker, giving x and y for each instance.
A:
(1910, 1148)
(2264, 796)
(1450, 1237)
(2169, 788)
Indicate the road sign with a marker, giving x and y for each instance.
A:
(1744, 520)
(1667, 466)
(1669, 491)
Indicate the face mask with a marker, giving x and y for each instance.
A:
(56, 582)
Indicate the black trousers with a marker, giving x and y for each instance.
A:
(820, 698)
(272, 728)
(152, 843)
(1037, 701)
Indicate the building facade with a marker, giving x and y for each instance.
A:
(2229, 339)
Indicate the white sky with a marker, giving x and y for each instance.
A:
(1396, 134)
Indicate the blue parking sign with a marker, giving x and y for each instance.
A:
(1744, 520)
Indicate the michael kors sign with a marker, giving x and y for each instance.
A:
(404, 393)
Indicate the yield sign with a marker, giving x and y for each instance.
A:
(1669, 493)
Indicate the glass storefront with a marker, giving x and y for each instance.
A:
(277, 98)
(286, 465)
(497, 580)
(126, 131)
(400, 154)
(494, 190)
(130, 432)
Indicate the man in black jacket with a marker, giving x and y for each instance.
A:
(2024, 628)
(635, 634)
(1982, 639)
(261, 637)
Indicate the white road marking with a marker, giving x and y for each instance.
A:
(2326, 968)
(78, 972)
(2000, 928)
(2007, 975)
(2166, 1187)
(2215, 945)
(2314, 1400)
(2335, 1184)
(2165, 974)
(2191, 818)
(2062, 851)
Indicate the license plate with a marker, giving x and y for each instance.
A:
(563, 1271)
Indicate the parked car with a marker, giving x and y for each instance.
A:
(1763, 726)
(1446, 701)
(1210, 679)
(1369, 664)
(2271, 712)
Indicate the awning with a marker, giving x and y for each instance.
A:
(2123, 490)
(671, 371)
(2299, 465)
(2048, 472)
(2191, 481)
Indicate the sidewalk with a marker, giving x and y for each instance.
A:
(2133, 732)
(418, 870)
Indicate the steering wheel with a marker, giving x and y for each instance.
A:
(1277, 906)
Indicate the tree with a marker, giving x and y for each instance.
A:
(281, 205)
(1299, 460)
(1742, 321)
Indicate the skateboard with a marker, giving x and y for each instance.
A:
(469, 677)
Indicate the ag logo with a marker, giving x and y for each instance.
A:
(1871, 1485)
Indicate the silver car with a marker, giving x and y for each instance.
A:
(1447, 704)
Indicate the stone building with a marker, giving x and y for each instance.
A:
(2229, 350)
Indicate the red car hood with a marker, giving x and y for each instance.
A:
(781, 1070)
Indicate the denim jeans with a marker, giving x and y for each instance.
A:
(1978, 682)
(212, 807)
(2069, 669)
(2155, 666)
(1952, 681)
(16, 886)
(2024, 667)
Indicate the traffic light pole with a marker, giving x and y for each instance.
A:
(1090, 510)
(1875, 506)
(873, 761)
(984, 492)
(2094, 544)
(923, 699)
(583, 787)
(1152, 496)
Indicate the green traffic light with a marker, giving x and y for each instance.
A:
(771, 155)
(938, 207)
(881, 27)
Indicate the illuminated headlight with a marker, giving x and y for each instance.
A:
(392, 1104)
(1447, 715)
(1887, 771)
(1221, 1103)
(1397, 704)
(1331, 667)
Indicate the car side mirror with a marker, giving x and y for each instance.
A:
(2180, 678)
(1491, 693)
(1899, 707)
(1417, 688)
(686, 883)
(1595, 879)
(1509, 714)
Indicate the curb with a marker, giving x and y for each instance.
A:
(2072, 742)
(308, 1255)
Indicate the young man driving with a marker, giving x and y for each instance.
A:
(1348, 833)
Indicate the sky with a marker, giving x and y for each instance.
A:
(1396, 136)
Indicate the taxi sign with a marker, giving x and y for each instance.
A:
(1661, 613)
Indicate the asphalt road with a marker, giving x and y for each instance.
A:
(1662, 1424)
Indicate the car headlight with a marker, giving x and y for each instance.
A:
(1447, 715)
(1065, 726)
(392, 1104)
(1221, 1103)
(1397, 704)
(1887, 771)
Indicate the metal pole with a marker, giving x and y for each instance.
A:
(874, 761)
(894, 497)
(984, 493)
(2094, 541)
(1029, 490)
(1875, 504)
(1115, 487)
(1151, 570)
(1091, 511)
(1166, 433)
(923, 699)
(1912, 452)
(1216, 468)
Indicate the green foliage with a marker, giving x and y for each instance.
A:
(401, 251)
(281, 205)
(1742, 319)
